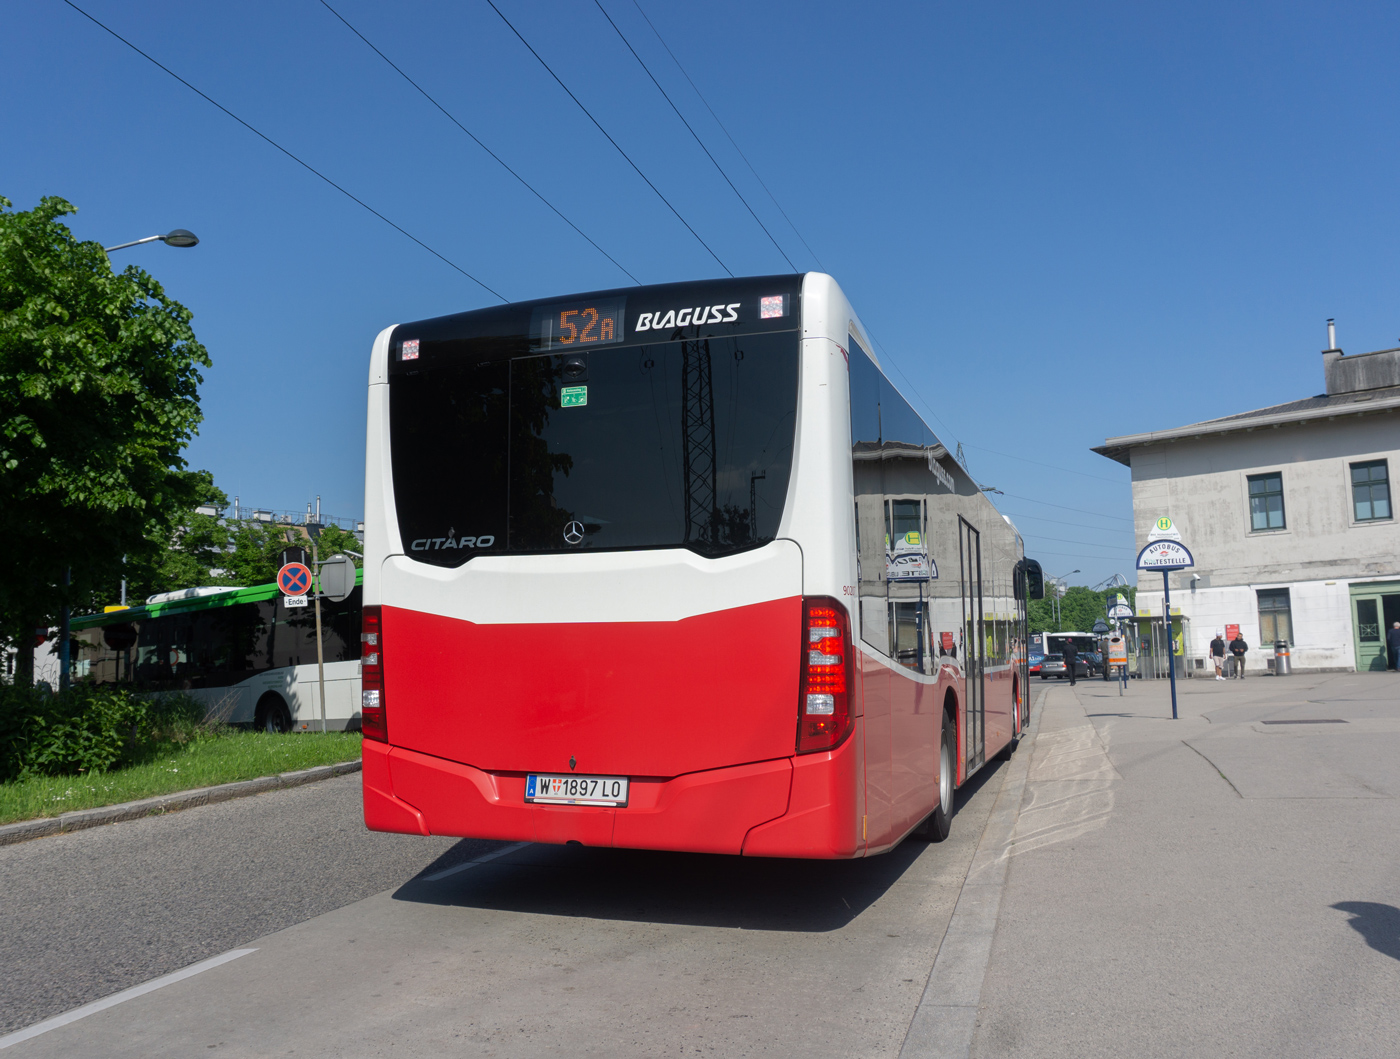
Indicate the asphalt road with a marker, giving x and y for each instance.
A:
(93, 912)
(543, 950)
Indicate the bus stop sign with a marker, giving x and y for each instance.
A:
(294, 579)
(1165, 555)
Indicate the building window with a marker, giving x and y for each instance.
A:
(1266, 501)
(1370, 490)
(1275, 616)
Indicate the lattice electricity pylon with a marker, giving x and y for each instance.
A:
(1116, 581)
(698, 442)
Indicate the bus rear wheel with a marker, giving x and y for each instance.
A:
(272, 714)
(940, 821)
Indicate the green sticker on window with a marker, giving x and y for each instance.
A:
(573, 397)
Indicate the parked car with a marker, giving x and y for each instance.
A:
(1095, 660)
(1054, 666)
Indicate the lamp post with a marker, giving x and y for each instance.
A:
(179, 237)
(1060, 588)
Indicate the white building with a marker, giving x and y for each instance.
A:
(1287, 512)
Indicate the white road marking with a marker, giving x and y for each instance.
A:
(473, 863)
(83, 1012)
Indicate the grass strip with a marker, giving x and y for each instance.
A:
(206, 762)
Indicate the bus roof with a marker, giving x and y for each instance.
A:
(250, 594)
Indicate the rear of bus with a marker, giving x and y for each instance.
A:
(590, 524)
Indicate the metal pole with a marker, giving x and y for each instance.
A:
(64, 660)
(1171, 653)
(137, 242)
(320, 659)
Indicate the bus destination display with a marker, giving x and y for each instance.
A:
(572, 325)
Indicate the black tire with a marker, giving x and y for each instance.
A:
(1044, 677)
(940, 821)
(272, 714)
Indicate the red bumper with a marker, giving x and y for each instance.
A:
(792, 807)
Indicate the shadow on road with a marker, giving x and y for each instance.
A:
(1378, 924)
(747, 893)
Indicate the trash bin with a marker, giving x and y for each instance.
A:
(1283, 665)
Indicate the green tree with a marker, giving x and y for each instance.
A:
(211, 550)
(192, 554)
(99, 377)
(1079, 609)
(336, 541)
(257, 551)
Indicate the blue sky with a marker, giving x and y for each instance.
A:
(1061, 222)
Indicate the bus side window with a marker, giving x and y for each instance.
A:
(867, 477)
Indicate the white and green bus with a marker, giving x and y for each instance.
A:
(243, 652)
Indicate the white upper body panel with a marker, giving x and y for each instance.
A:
(814, 554)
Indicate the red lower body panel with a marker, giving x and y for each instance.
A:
(791, 807)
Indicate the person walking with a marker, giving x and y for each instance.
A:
(1237, 648)
(1071, 656)
(1392, 645)
(1217, 654)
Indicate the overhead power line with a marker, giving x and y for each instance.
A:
(268, 139)
(726, 133)
(452, 118)
(1075, 555)
(1063, 540)
(1062, 507)
(1051, 466)
(623, 38)
(598, 125)
(1062, 522)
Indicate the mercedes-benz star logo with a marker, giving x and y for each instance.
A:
(573, 532)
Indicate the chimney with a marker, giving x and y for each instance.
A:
(1360, 371)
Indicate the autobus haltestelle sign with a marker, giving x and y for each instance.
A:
(1165, 555)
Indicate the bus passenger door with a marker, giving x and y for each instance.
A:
(974, 645)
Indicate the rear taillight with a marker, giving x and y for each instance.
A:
(824, 701)
(372, 719)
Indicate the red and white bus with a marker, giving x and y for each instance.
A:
(675, 567)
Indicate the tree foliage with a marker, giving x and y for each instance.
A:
(1079, 609)
(99, 376)
(207, 549)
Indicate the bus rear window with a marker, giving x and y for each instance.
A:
(674, 444)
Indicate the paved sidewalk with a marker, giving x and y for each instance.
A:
(1211, 886)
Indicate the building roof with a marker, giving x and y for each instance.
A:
(1323, 406)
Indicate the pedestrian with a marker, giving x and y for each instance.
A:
(1217, 654)
(1237, 648)
(1071, 656)
(1392, 645)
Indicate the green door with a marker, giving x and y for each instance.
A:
(1373, 608)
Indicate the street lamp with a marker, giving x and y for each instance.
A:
(1060, 588)
(179, 237)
